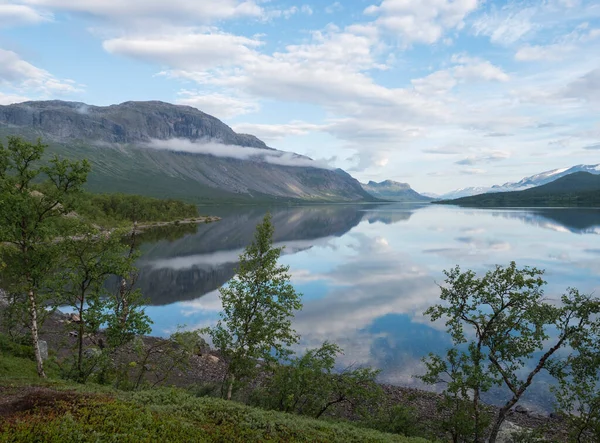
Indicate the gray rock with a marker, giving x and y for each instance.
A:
(43, 349)
(521, 410)
(507, 431)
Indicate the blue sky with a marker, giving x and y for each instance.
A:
(438, 93)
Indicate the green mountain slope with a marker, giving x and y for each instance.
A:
(163, 150)
(577, 189)
(394, 191)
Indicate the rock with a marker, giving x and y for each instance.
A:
(73, 334)
(75, 318)
(521, 410)
(507, 431)
(43, 349)
(213, 359)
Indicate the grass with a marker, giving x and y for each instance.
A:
(59, 411)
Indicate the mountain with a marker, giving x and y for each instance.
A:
(576, 189)
(526, 183)
(395, 191)
(159, 149)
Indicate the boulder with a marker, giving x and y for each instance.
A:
(213, 359)
(507, 432)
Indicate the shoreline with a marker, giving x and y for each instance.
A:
(207, 369)
(186, 221)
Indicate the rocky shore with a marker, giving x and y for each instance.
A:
(206, 370)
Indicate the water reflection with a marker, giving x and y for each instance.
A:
(368, 272)
(186, 268)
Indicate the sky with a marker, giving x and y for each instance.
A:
(441, 94)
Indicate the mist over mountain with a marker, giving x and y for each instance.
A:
(525, 183)
(159, 149)
(394, 191)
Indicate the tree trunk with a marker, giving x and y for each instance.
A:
(34, 334)
(498, 423)
(80, 343)
(230, 388)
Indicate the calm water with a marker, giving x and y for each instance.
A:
(368, 272)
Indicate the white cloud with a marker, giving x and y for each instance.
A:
(23, 76)
(214, 148)
(465, 69)
(586, 88)
(553, 52)
(277, 132)
(287, 13)
(175, 11)
(220, 105)
(9, 99)
(194, 51)
(334, 7)
(484, 158)
(506, 25)
(13, 15)
(421, 21)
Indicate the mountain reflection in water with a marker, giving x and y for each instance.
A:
(367, 272)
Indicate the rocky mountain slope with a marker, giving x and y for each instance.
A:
(159, 149)
(394, 191)
(525, 183)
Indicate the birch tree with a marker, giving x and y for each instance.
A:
(35, 197)
(258, 306)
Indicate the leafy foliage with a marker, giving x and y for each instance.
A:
(578, 391)
(106, 209)
(258, 305)
(308, 385)
(89, 261)
(34, 200)
(498, 323)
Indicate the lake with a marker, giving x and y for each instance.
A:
(367, 272)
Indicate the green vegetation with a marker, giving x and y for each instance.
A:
(258, 305)
(88, 261)
(64, 411)
(577, 189)
(500, 327)
(108, 209)
(32, 216)
(308, 385)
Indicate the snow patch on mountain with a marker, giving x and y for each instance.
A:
(526, 183)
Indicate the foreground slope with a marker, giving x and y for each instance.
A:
(159, 149)
(577, 189)
(394, 191)
(60, 411)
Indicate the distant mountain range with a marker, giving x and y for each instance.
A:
(526, 183)
(394, 191)
(576, 189)
(159, 149)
